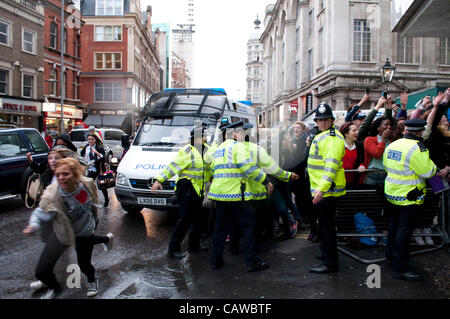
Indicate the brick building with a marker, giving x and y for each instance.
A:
(71, 46)
(121, 65)
(180, 75)
(21, 55)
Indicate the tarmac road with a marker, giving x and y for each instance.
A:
(139, 268)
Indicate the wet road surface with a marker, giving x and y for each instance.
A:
(139, 268)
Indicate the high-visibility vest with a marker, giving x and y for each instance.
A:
(266, 162)
(232, 166)
(407, 164)
(188, 164)
(325, 163)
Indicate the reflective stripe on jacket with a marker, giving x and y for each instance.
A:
(407, 167)
(266, 162)
(188, 164)
(325, 164)
(232, 165)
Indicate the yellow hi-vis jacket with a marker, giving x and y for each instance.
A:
(407, 163)
(231, 166)
(266, 162)
(188, 164)
(325, 163)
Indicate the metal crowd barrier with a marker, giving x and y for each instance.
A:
(372, 202)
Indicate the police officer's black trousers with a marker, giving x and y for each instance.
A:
(244, 215)
(401, 227)
(303, 201)
(189, 209)
(326, 214)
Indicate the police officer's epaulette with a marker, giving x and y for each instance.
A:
(332, 132)
(422, 147)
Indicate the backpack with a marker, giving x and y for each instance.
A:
(364, 225)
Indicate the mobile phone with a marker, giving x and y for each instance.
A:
(384, 94)
(367, 90)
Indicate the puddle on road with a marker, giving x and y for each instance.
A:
(177, 276)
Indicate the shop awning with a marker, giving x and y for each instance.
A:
(93, 119)
(416, 96)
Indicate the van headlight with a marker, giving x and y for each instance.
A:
(121, 180)
(114, 160)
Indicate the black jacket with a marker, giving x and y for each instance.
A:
(99, 162)
(438, 144)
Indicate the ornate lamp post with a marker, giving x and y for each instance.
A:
(387, 73)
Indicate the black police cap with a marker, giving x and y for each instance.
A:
(323, 111)
(415, 125)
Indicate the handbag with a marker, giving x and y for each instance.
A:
(34, 190)
(106, 180)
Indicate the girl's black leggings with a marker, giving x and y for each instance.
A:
(54, 249)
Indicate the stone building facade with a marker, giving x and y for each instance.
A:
(332, 50)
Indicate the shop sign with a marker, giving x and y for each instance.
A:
(309, 102)
(70, 112)
(20, 106)
(293, 107)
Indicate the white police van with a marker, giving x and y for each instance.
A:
(166, 123)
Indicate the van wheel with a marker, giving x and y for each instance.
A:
(132, 210)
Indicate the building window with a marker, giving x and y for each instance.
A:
(256, 84)
(297, 74)
(28, 41)
(309, 72)
(109, 7)
(108, 61)
(65, 41)
(52, 84)
(320, 47)
(53, 35)
(361, 40)
(4, 32)
(249, 85)
(108, 92)
(108, 33)
(405, 50)
(3, 82)
(321, 5)
(297, 39)
(444, 51)
(27, 85)
(311, 22)
(77, 46)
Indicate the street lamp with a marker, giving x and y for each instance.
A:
(387, 73)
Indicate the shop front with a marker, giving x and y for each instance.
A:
(22, 113)
(52, 116)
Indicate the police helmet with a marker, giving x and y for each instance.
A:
(323, 111)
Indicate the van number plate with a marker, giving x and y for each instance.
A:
(152, 201)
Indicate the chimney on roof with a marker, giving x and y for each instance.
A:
(149, 18)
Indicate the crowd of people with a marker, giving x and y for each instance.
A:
(255, 196)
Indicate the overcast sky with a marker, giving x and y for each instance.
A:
(222, 30)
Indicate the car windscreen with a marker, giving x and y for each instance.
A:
(169, 131)
(37, 142)
(12, 145)
(79, 136)
(188, 103)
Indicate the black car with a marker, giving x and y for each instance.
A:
(15, 143)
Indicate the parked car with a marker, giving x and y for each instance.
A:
(112, 138)
(15, 143)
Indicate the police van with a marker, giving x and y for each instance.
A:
(166, 123)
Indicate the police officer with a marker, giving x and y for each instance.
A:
(264, 221)
(407, 163)
(189, 166)
(327, 181)
(233, 167)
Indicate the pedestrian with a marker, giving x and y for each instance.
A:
(94, 154)
(189, 166)
(48, 139)
(354, 154)
(65, 140)
(327, 180)
(92, 130)
(233, 167)
(69, 206)
(301, 187)
(407, 163)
